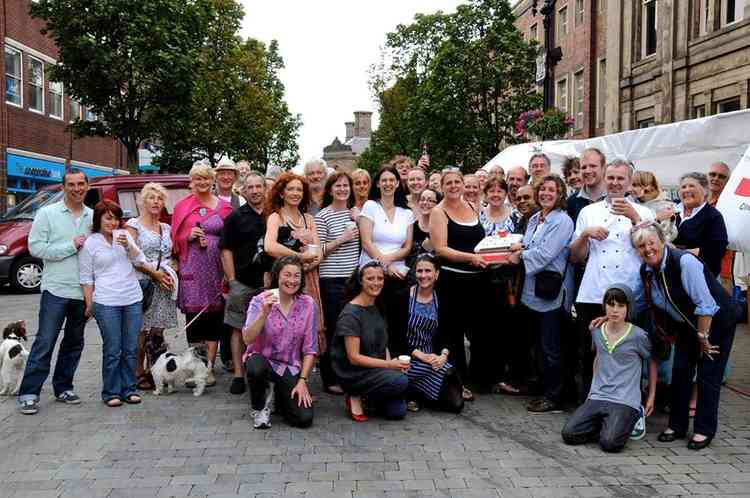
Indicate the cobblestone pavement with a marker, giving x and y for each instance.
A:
(183, 446)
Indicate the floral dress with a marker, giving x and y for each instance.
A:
(162, 313)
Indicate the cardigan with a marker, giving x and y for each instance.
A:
(706, 231)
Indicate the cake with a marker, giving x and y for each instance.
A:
(496, 248)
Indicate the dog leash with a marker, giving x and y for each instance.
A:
(184, 329)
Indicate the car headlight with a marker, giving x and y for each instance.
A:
(3, 249)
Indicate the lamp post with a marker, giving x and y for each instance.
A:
(552, 53)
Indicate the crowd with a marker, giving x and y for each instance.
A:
(376, 282)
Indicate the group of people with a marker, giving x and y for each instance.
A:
(376, 281)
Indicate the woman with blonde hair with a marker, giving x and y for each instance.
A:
(153, 238)
(197, 222)
(361, 187)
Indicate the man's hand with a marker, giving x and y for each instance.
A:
(79, 241)
(596, 233)
(621, 207)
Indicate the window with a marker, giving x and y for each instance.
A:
(13, 77)
(56, 99)
(601, 98)
(648, 28)
(732, 11)
(579, 12)
(533, 35)
(578, 116)
(562, 22)
(728, 105)
(699, 111)
(75, 110)
(646, 123)
(562, 95)
(702, 17)
(602, 5)
(36, 85)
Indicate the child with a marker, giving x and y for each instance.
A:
(647, 191)
(614, 403)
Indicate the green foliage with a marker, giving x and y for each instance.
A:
(130, 62)
(456, 82)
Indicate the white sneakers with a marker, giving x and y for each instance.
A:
(262, 418)
(639, 430)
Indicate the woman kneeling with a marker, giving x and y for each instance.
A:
(281, 347)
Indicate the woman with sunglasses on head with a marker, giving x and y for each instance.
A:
(359, 352)
(455, 231)
(415, 327)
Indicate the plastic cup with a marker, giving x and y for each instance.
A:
(404, 358)
(274, 293)
(313, 249)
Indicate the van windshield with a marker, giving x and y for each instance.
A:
(30, 205)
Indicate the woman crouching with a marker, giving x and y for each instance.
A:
(281, 344)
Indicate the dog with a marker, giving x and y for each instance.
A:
(170, 368)
(13, 357)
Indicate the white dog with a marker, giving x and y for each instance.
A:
(13, 356)
(171, 368)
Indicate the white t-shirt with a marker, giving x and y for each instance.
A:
(388, 237)
(613, 260)
(742, 270)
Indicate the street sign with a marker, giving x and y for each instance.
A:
(541, 68)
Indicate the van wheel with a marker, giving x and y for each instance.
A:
(26, 275)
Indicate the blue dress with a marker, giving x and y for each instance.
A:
(421, 329)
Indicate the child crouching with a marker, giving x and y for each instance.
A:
(613, 405)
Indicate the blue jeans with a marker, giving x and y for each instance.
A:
(390, 399)
(53, 311)
(119, 326)
(548, 326)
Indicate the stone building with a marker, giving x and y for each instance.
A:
(343, 155)
(636, 63)
(35, 142)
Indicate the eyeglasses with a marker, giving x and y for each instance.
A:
(720, 176)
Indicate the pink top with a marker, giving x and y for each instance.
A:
(284, 340)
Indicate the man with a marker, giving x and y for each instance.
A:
(57, 234)
(718, 176)
(517, 177)
(482, 174)
(239, 243)
(603, 236)
(497, 170)
(315, 172)
(539, 167)
(594, 188)
(226, 175)
(571, 170)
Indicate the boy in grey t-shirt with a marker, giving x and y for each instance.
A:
(614, 403)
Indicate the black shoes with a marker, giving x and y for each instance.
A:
(543, 405)
(237, 386)
(668, 437)
(699, 445)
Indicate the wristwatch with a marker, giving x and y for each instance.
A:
(302, 377)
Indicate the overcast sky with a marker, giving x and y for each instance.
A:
(328, 47)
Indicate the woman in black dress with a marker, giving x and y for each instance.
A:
(359, 353)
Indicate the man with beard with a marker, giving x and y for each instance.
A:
(516, 177)
(315, 174)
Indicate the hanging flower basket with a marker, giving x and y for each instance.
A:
(543, 125)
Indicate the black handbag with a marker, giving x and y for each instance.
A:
(148, 286)
(547, 283)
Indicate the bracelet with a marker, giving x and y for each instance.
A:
(302, 377)
(703, 335)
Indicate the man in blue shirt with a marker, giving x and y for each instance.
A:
(57, 234)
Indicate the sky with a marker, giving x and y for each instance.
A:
(328, 47)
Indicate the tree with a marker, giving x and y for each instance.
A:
(456, 82)
(237, 107)
(131, 63)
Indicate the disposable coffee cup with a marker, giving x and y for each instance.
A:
(313, 249)
(274, 293)
(351, 224)
(404, 358)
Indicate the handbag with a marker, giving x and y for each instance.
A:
(284, 237)
(148, 286)
(547, 283)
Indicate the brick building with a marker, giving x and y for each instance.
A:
(636, 63)
(35, 142)
(343, 155)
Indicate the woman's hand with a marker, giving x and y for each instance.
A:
(437, 361)
(308, 258)
(514, 258)
(395, 272)
(707, 348)
(302, 393)
(397, 364)
(349, 234)
(196, 233)
(163, 279)
(122, 239)
(477, 260)
(354, 213)
(269, 299)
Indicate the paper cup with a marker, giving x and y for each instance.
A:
(404, 358)
(313, 249)
(274, 293)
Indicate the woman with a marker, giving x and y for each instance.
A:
(153, 238)
(339, 238)
(197, 222)
(359, 352)
(386, 230)
(700, 227)
(416, 328)
(428, 199)
(112, 294)
(545, 289)
(496, 215)
(571, 170)
(361, 187)
(648, 192)
(454, 231)
(416, 180)
(472, 190)
(702, 316)
(281, 347)
(291, 231)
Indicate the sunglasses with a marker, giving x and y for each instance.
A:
(720, 176)
(524, 197)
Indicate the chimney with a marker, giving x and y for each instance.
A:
(349, 130)
(362, 124)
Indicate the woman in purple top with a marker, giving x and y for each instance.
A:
(197, 222)
(281, 338)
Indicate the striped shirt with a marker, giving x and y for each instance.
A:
(342, 262)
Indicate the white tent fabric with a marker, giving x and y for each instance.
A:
(667, 150)
(734, 204)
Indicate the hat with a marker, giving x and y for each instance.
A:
(226, 164)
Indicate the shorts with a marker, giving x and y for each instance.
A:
(207, 327)
(235, 309)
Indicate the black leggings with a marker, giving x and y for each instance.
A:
(259, 374)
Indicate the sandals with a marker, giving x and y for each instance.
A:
(113, 403)
(467, 395)
(133, 399)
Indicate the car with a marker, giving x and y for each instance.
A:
(22, 270)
